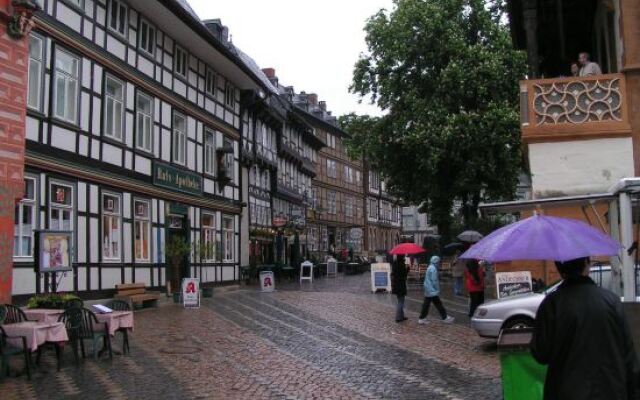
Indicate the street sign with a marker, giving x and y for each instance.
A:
(513, 283)
(267, 281)
(381, 277)
(190, 292)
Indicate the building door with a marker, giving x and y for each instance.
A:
(177, 250)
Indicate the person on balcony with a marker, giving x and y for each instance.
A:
(575, 69)
(588, 67)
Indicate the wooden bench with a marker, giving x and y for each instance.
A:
(137, 295)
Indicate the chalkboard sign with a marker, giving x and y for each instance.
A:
(513, 283)
(381, 277)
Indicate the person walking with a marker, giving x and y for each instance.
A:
(581, 333)
(399, 271)
(432, 293)
(457, 272)
(474, 277)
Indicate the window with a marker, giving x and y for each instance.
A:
(210, 84)
(147, 37)
(331, 168)
(142, 230)
(227, 238)
(113, 108)
(209, 152)
(118, 17)
(144, 122)
(229, 158)
(66, 86)
(110, 227)
(348, 174)
(25, 221)
(229, 95)
(331, 202)
(76, 3)
(331, 141)
(373, 209)
(179, 139)
(374, 180)
(60, 207)
(208, 237)
(180, 62)
(349, 206)
(34, 94)
(358, 178)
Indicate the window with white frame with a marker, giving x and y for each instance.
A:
(113, 108)
(67, 70)
(111, 227)
(144, 122)
(331, 168)
(331, 202)
(208, 237)
(141, 230)
(229, 158)
(210, 82)
(147, 37)
(25, 220)
(180, 62)
(60, 206)
(36, 51)
(348, 174)
(77, 3)
(118, 17)
(331, 141)
(229, 95)
(227, 238)
(358, 177)
(374, 180)
(179, 138)
(209, 151)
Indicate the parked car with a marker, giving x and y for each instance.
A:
(520, 311)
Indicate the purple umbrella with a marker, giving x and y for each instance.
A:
(543, 238)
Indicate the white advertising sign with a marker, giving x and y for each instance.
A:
(267, 281)
(513, 283)
(381, 277)
(191, 292)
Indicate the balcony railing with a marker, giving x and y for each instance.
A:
(574, 107)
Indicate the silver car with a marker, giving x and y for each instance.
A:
(520, 311)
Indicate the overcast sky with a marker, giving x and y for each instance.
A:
(312, 44)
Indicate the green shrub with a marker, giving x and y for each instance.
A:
(50, 301)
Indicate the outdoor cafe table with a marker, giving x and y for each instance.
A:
(36, 333)
(115, 320)
(43, 314)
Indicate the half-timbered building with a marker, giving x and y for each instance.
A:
(133, 129)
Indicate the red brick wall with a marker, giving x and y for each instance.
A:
(13, 84)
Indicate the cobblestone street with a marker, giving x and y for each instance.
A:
(330, 340)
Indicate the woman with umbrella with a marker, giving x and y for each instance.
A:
(399, 274)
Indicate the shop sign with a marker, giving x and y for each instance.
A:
(267, 281)
(513, 283)
(191, 292)
(176, 179)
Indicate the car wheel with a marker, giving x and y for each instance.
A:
(518, 323)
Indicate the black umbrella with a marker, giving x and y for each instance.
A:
(454, 246)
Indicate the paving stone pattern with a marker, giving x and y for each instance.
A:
(330, 340)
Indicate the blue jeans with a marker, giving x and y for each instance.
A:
(457, 285)
(400, 308)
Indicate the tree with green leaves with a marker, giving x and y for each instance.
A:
(446, 74)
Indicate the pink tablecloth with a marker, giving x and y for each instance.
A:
(42, 314)
(116, 320)
(37, 333)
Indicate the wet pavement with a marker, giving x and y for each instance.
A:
(332, 339)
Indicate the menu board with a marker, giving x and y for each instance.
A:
(381, 277)
(513, 283)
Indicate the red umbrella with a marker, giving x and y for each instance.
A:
(406, 249)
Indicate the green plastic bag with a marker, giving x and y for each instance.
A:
(522, 376)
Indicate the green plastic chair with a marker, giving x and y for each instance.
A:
(80, 324)
(77, 303)
(7, 350)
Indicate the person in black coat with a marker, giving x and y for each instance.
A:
(399, 273)
(582, 334)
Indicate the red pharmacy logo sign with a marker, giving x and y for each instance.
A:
(267, 282)
(191, 287)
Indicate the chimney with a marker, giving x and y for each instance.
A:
(271, 74)
(220, 31)
(322, 105)
(313, 99)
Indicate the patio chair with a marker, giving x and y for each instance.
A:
(7, 350)
(77, 303)
(14, 315)
(121, 305)
(81, 324)
(3, 313)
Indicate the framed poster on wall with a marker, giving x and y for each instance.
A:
(54, 251)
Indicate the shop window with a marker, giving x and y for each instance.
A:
(227, 238)
(25, 220)
(208, 237)
(111, 227)
(142, 231)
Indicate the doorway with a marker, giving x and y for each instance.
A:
(177, 232)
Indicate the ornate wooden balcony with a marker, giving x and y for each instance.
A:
(574, 108)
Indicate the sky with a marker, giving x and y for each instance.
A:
(312, 44)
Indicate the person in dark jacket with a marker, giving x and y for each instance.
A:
(581, 333)
(399, 273)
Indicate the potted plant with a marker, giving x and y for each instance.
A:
(175, 250)
(54, 301)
